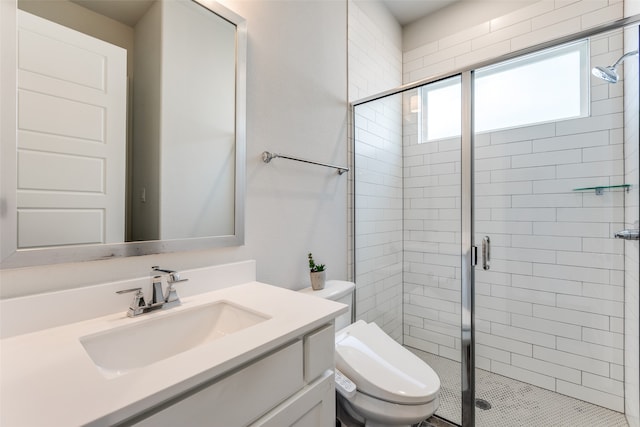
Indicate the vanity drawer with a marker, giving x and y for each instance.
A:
(313, 406)
(240, 398)
(319, 349)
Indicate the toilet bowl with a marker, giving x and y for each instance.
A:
(393, 387)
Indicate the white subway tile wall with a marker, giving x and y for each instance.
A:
(540, 22)
(375, 65)
(378, 225)
(550, 311)
(432, 236)
(632, 215)
(375, 61)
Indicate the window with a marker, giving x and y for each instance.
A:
(545, 86)
(442, 104)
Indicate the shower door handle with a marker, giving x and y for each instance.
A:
(486, 253)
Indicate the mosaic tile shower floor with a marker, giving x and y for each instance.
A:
(514, 403)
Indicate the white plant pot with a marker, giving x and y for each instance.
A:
(318, 279)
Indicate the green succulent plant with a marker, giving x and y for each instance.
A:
(313, 267)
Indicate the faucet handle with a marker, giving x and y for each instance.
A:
(137, 305)
(175, 278)
(125, 291)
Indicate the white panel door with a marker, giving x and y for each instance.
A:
(71, 136)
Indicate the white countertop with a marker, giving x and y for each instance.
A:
(48, 379)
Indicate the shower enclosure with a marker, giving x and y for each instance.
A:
(485, 208)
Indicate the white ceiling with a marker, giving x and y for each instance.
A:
(127, 12)
(407, 11)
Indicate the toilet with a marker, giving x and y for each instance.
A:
(393, 387)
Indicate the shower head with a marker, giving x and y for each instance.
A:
(609, 73)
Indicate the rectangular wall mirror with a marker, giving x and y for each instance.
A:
(123, 128)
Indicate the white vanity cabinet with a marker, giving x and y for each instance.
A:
(289, 386)
(277, 372)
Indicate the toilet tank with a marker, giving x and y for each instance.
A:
(339, 291)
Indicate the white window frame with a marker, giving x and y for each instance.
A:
(581, 46)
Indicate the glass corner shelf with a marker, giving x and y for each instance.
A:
(600, 189)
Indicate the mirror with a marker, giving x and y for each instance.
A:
(130, 132)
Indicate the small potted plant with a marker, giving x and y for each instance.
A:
(317, 272)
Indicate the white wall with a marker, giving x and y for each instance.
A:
(550, 311)
(146, 136)
(296, 104)
(375, 65)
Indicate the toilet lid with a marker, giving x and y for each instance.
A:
(382, 368)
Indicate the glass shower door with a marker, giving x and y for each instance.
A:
(550, 190)
(484, 234)
(432, 234)
(378, 213)
(407, 155)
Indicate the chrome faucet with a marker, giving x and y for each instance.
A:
(158, 299)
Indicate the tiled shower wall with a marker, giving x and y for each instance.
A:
(632, 215)
(378, 160)
(524, 328)
(375, 65)
(550, 310)
(432, 240)
(539, 22)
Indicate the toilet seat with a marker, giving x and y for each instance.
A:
(382, 368)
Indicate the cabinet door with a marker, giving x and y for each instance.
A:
(239, 398)
(313, 406)
(319, 350)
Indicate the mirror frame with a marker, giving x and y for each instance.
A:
(11, 256)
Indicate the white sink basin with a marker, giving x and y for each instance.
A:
(120, 350)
